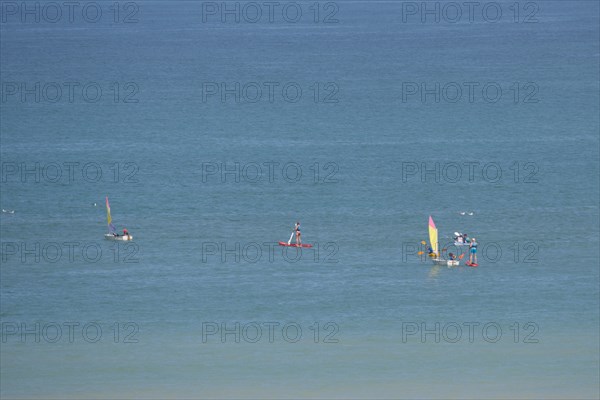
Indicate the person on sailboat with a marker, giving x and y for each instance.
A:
(430, 252)
(473, 251)
(298, 234)
(125, 232)
(458, 237)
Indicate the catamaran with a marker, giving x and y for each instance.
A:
(434, 244)
(112, 232)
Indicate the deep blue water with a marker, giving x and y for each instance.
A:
(346, 157)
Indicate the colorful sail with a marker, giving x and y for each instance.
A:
(111, 227)
(433, 236)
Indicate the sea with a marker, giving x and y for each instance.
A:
(213, 127)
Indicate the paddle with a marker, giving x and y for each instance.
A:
(291, 236)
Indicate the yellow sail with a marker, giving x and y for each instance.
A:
(433, 236)
(108, 211)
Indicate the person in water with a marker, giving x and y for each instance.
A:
(473, 251)
(451, 256)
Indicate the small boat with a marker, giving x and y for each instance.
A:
(433, 242)
(112, 232)
(460, 244)
(449, 263)
(458, 235)
(116, 236)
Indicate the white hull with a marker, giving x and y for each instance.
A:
(449, 263)
(461, 244)
(110, 236)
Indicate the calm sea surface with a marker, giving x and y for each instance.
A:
(212, 138)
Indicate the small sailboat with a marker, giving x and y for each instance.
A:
(112, 232)
(433, 242)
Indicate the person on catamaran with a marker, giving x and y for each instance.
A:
(473, 251)
(298, 234)
(465, 238)
(430, 252)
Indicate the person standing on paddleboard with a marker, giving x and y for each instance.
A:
(473, 251)
(298, 234)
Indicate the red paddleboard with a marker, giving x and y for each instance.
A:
(294, 245)
(468, 264)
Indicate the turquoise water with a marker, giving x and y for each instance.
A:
(361, 198)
